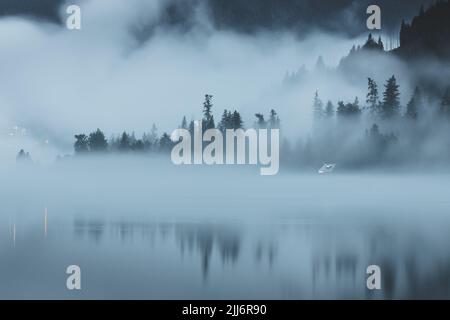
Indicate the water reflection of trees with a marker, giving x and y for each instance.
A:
(205, 238)
(93, 229)
(201, 238)
(412, 267)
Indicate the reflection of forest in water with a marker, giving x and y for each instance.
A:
(200, 238)
(414, 265)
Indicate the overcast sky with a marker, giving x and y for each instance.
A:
(300, 16)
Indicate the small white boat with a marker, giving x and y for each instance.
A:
(327, 168)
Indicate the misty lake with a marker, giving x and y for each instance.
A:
(179, 233)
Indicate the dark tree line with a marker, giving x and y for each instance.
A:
(96, 141)
(428, 32)
(383, 108)
(353, 134)
(421, 120)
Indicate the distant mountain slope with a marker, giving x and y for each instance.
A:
(360, 52)
(300, 17)
(428, 34)
(424, 51)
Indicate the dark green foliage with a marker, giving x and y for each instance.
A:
(230, 120)
(377, 137)
(391, 99)
(184, 123)
(412, 109)
(317, 107)
(208, 118)
(274, 120)
(349, 109)
(97, 141)
(23, 157)
(236, 121)
(81, 144)
(380, 142)
(372, 98)
(445, 105)
(138, 146)
(344, 144)
(329, 110)
(191, 127)
(272, 123)
(225, 121)
(371, 44)
(428, 33)
(260, 121)
(124, 143)
(152, 138)
(165, 143)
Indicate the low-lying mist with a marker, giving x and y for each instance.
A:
(57, 82)
(141, 227)
(143, 187)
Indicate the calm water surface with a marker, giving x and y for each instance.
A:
(307, 241)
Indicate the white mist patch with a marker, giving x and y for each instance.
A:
(234, 151)
(66, 82)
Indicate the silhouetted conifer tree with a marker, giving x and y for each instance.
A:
(165, 143)
(208, 118)
(372, 98)
(138, 146)
(132, 139)
(422, 11)
(349, 109)
(260, 121)
(124, 143)
(184, 123)
(329, 110)
(391, 99)
(23, 157)
(274, 120)
(445, 104)
(317, 107)
(226, 121)
(236, 121)
(81, 144)
(412, 109)
(192, 127)
(97, 141)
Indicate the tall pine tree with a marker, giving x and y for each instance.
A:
(81, 144)
(260, 123)
(445, 104)
(124, 143)
(208, 118)
(412, 109)
(225, 121)
(97, 141)
(317, 107)
(391, 99)
(184, 123)
(274, 120)
(329, 110)
(372, 98)
(236, 121)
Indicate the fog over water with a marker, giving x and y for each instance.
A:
(142, 228)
